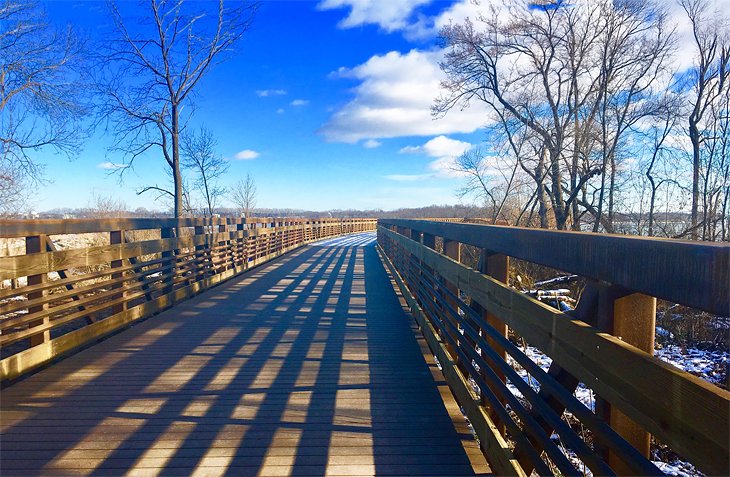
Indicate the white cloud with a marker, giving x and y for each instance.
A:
(440, 146)
(264, 93)
(246, 155)
(686, 52)
(300, 102)
(110, 166)
(280, 111)
(460, 11)
(445, 150)
(371, 144)
(390, 15)
(394, 99)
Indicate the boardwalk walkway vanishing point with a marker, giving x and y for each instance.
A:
(307, 365)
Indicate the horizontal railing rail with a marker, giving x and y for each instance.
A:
(100, 275)
(695, 274)
(529, 418)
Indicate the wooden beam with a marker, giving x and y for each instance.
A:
(34, 245)
(117, 237)
(695, 274)
(634, 322)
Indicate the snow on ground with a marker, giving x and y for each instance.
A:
(708, 365)
(582, 393)
(678, 468)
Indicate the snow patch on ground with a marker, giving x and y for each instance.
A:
(678, 468)
(709, 365)
(582, 393)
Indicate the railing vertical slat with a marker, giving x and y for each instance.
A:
(169, 255)
(37, 244)
(117, 237)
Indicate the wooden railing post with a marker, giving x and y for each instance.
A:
(240, 243)
(225, 245)
(117, 237)
(200, 260)
(496, 266)
(634, 322)
(169, 255)
(37, 244)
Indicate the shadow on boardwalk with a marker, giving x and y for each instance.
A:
(305, 366)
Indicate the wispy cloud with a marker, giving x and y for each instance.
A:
(246, 155)
(111, 166)
(280, 111)
(299, 102)
(371, 144)
(264, 93)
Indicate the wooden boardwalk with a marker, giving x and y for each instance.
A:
(308, 365)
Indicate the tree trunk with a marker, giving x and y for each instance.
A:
(611, 191)
(652, 202)
(541, 193)
(176, 175)
(557, 186)
(694, 136)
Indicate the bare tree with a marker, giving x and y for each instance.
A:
(495, 183)
(106, 205)
(12, 191)
(151, 70)
(634, 56)
(199, 155)
(538, 93)
(709, 81)
(43, 99)
(562, 73)
(243, 195)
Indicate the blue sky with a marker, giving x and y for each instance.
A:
(332, 97)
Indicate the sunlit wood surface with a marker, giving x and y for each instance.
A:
(305, 366)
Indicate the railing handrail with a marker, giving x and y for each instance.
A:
(12, 228)
(695, 274)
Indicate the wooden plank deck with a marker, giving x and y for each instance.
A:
(308, 365)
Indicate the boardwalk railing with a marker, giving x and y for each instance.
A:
(111, 272)
(528, 419)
